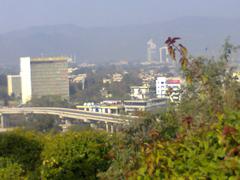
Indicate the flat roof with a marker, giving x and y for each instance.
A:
(140, 87)
(50, 59)
(14, 76)
(101, 106)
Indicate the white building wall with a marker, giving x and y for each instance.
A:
(14, 85)
(25, 73)
(10, 85)
(161, 87)
(163, 84)
(164, 55)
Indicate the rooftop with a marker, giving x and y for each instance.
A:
(50, 59)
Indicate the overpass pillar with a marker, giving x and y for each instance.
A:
(92, 125)
(3, 123)
(106, 125)
(117, 128)
(112, 128)
(109, 127)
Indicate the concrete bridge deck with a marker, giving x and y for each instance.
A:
(70, 114)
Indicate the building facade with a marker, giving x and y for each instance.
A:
(132, 106)
(45, 76)
(104, 107)
(168, 88)
(14, 85)
(142, 92)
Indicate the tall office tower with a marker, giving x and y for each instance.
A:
(44, 76)
(14, 85)
(151, 47)
(164, 55)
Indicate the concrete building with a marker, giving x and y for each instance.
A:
(168, 88)
(105, 93)
(107, 81)
(103, 107)
(142, 92)
(151, 48)
(161, 87)
(116, 77)
(80, 78)
(44, 76)
(14, 85)
(164, 55)
(132, 106)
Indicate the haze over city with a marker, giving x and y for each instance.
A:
(113, 30)
(17, 14)
(128, 89)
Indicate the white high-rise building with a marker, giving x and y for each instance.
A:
(14, 85)
(164, 55)
(43, 77)
(151, 47)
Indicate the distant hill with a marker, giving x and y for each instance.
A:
(116, 43)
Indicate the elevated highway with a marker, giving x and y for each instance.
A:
(66, 113)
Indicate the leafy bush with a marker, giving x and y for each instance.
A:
(75, 155)
(199, 138)
(211, 152)
(10, 170)
(22, 148)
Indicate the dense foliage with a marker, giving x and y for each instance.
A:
(10, 170)
(198, 138)
(22, 148)
(72, 155)
(75, 155)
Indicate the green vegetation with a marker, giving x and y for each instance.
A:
(49, 101)
(75, 155)
(72, 155)
(196, 139)
(3, 90)
(10, 170)
(22, 148)
(94, 85)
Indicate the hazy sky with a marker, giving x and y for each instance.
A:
(16, 14)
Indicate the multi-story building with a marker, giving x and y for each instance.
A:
(107, 81)
(142, 92)
(78, 78)
(103, 107)
(44, 76)
(151, 48)
(105, 93)
(132, 106)
(116, 77)
(168, 88)
(14, 85)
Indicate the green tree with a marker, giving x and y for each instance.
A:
(21, 147)
(198, 138)
(10, 170)
(49, 101)
(42, 123)
(75, 155)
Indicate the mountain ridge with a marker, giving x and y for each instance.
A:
(105, 44)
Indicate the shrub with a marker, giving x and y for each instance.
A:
(75, 155)
(22, 148)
